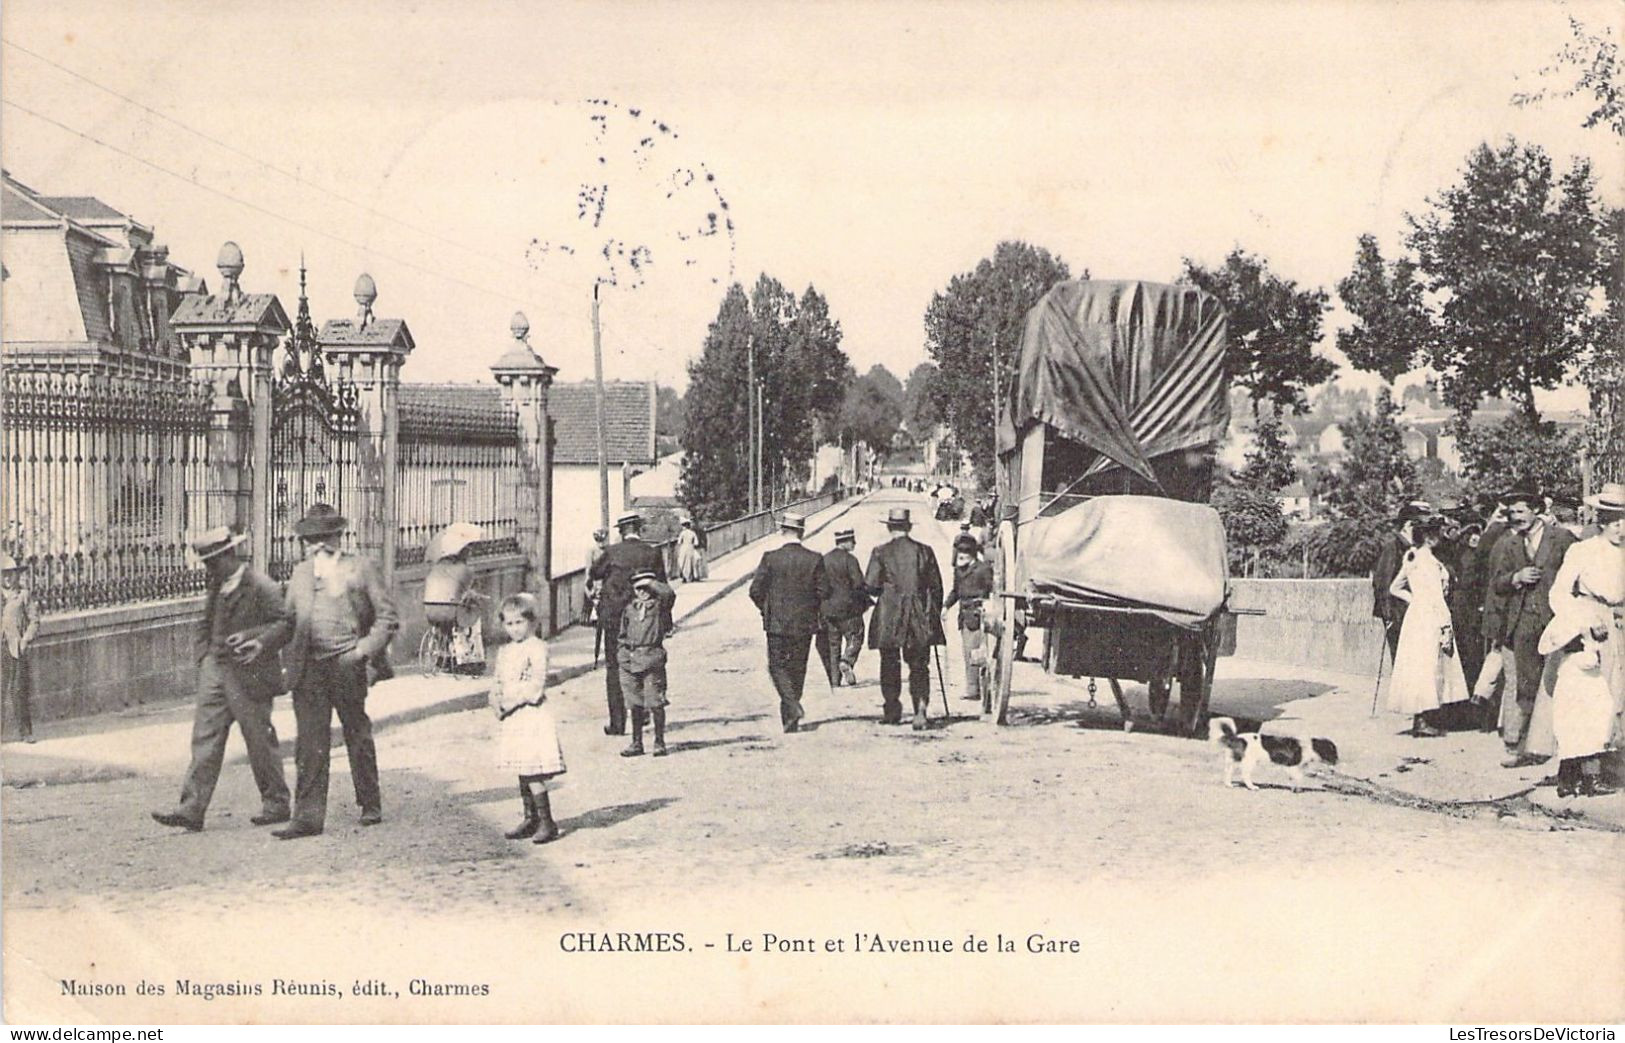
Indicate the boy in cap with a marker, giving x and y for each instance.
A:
(245, 621)
(641, 657)
(20, 624)
(612, 575)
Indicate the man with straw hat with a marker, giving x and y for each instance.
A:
(789, 589)
(906, 623)
(245, 621)
(344, 618)
(840, 639)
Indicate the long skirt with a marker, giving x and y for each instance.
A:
(528, 742)
(1424, 676)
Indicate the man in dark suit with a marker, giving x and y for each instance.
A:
(1523, 564)
(343, 620)
(906, 623)
(840, 639)
(244, 622)
(612, 574)
(1385, 606)
(790, 588)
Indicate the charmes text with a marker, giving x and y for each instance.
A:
(623, 941)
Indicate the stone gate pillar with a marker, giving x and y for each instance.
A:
(525, 380)
(369, 352)
(229, 337)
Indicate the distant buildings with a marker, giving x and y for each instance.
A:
(629, 420)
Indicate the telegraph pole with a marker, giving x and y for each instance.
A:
(750, 414)
(603, 436)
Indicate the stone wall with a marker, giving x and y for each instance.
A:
(106, 660)
(1321, 623)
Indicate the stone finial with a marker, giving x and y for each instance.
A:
(230, 265)
(519, 326)
(366, 291)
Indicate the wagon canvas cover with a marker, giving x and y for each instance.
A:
(1162, 556)
(1133, 370)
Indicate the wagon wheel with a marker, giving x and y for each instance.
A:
(1162, 689)
(1007, 618)
(1198, 660)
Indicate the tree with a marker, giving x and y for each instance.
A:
(1269, 465)
(1274, 327)
(715, 482)
(668, 413)
(1602, 370)
(871, 412)
(1392, 332)
(1365, 493)
(794, 349)
(1596, 57)
(920, 412)
(1518, 449)
(1253, 522)
(1507, 260)
(973, 333)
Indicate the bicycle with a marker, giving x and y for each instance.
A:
(448, 642)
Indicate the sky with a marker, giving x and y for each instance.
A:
(481, 158)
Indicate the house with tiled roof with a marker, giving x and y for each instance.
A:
(85, 283)
(629, 429)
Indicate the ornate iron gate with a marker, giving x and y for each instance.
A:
(313, 441)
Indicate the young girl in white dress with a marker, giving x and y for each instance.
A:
(1427, 667)
(528, 740)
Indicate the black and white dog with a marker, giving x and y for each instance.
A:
(1251, 749)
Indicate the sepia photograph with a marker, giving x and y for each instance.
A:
(867, 512)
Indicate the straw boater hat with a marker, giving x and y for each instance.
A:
(793, 523)
(687, 523)
(629, 520)
(897, 518)
(1610, 497)
(8, 563)
(320, 520)
(1414, 511)
(216, 541)
(645, 578)
(846, 536)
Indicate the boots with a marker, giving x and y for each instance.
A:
(1591, 783)
(919, 714)
(548, 830)
(636, 749)
(1569, 780)
(659, 714)
(533, 818)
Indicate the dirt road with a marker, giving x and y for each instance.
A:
(1154, 893)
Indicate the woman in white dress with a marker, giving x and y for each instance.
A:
(690, 564)
(528, 743)
(1427, 667)
(1583, 644)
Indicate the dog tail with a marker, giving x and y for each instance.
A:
(1220, 728)
(1325, 749)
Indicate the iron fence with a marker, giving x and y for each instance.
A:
(103, 477)
(457, 462)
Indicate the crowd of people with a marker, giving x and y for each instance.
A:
(1511, 623)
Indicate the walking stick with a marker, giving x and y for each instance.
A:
(940, 686)
(833, 638)
(1382, 648)
(597, 640)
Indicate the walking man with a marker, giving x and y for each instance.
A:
(19, 622)
(612, 574)
(790, 588)
(905, 624)
(840, 638)
(1522, 566)
(245, 620)
(344, 619)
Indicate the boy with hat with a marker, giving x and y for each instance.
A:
(905, 624)
(840, 639)
(344, 618)
(245, 621)
(19, 623)
(613, 577)
(1522, 566)
(973, 585)
(789, 588)
(641, 657)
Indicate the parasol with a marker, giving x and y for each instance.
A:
(452, 539)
